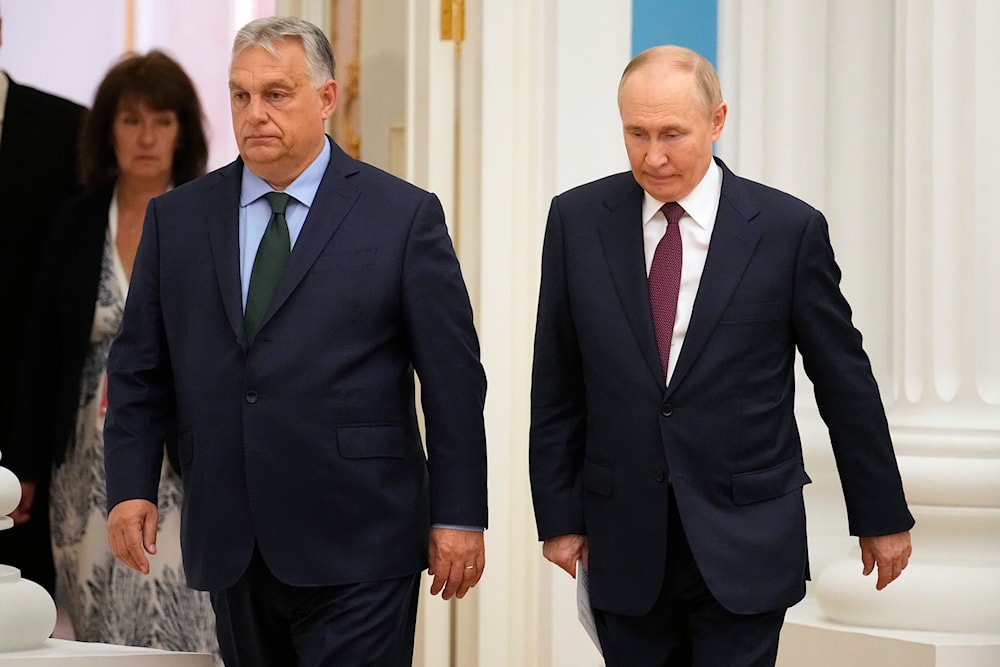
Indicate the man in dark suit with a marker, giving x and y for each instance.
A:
(664, 452)
(38, 172)
(309, 506)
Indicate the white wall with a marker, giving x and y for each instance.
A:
(65, 47)
(62, 47)
(199, 35)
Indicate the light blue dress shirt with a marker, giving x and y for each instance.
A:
(255, 212)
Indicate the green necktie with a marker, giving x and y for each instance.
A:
(272, 254)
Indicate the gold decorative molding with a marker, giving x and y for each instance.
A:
(347, 50)
(453, 22)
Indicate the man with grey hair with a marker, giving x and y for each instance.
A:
(664, 454)
(278, 311)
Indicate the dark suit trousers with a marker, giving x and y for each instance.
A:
(262, 622)
(687, 626)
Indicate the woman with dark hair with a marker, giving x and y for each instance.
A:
(143, 135)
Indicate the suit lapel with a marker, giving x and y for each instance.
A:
(621, 237)
(733, 241)
(223, 216)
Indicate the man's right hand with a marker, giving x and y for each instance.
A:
(132, 532)
(565, 551)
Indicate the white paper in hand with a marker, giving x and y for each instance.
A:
(585, 613)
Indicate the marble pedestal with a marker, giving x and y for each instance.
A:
(63, 653)
(809, 639)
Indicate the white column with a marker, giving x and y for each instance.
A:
(547, 120)
(882, 114)
(945, 416)
(809, 92)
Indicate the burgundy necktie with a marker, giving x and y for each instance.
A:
(665, 281)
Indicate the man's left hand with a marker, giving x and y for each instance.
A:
(890, 553)
(457, 558)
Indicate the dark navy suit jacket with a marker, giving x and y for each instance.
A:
(607, 438)
(307, 442)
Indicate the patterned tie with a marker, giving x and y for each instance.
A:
(665, 281)
(272, 254)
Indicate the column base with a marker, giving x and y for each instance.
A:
(809, 638)
(932, 597)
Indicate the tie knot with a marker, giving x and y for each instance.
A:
(673, 211)
(278, 201)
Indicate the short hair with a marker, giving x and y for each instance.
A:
(154, 79)
(269, 31)
(685, 60)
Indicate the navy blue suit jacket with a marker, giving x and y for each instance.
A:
(306, 442)
(607, 438)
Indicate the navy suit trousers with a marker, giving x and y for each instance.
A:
(687, 626)
(263, 622)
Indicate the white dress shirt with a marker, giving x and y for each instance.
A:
(697, 223)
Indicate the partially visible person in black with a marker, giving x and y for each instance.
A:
(144, 135)
(38, 156)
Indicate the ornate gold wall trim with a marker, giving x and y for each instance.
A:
(347, 50)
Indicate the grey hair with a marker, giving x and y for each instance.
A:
(270, 31)
(685, 60)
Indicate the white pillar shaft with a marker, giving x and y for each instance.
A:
(945, 414)
(946, 404)
(809, 93)
(946, 237)
(883, 114)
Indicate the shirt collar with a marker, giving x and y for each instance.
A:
(302, 189)
(701, 204)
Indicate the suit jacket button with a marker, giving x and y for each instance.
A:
(666, 410)
(250, 397)
(660, 476)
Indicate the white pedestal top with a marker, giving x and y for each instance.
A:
(57, 652)
(808, 638)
